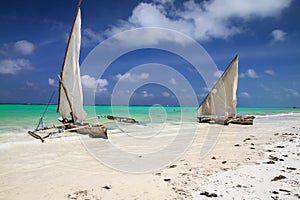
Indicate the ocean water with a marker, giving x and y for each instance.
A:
(17, 119)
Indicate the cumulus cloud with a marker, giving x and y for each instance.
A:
(13, 66)
(207, 89)
(29, 84)
(244, 94)
(251, 73)
(242, 75)
(165, 94)
(270, 72)
(292, 92)
(91, 37)
(202, 20)
(146, 94)
(218, 73)
(89, 83)
(131, 77)
(24, 47)
(52, 82)
(173, 81)
(278, 35)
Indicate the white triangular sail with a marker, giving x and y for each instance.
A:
(70, 89)
(221, 101)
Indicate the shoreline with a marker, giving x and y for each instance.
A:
(64, 169)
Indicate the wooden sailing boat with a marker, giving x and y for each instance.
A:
(219, 106)
(70, 102)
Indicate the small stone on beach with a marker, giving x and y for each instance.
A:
(106, 187)
(278, 178)
(172, 166)
(270, 162)
(209, 194)
(167, 179)
(291, 168)
(284, 190)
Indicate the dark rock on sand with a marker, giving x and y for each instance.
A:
(270, 150)
(269, 162)
(276, 178)
(274, 158)
(284, 190)
(208, 194)
(275, 192)
(106, 187)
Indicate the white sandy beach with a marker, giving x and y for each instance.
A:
(240, 162)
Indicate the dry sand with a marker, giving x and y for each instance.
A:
(240, 162)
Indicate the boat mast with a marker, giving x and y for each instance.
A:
(63, 64)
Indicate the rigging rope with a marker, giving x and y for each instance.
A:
(41, 123)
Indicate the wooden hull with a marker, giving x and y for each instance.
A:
(243, 120)
(97, 131)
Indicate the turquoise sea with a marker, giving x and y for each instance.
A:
(16, 119)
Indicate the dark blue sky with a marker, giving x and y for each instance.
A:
(265, 34)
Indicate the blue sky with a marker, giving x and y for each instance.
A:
(265, 34)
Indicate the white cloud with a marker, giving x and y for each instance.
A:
(292, 92)
(218, 73)
(173, 81)
(52, 82)
(202, 20)
(242, 75)
(146, 94)
(207, 89)
(270, 72)
(13, 66)
(24, 47)
(244, 94)
(89, 83)
(296, 94)
(166, 94)
(91, 37)
(278, 35)
(202, 95)
(265, 87)
(29, 84)
(129, 77)
(251, 73)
